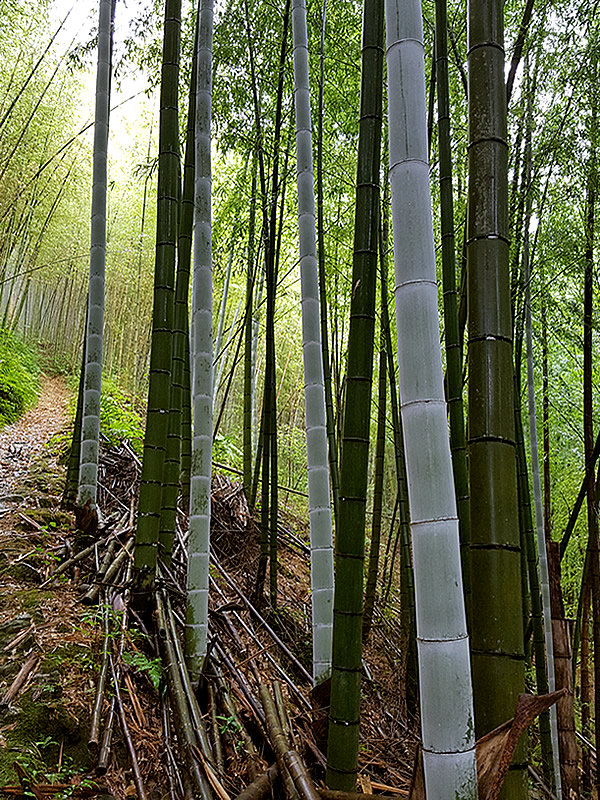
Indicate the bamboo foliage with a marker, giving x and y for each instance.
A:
(314, 393)
(442, 641)
(202, 361)
(90, 423)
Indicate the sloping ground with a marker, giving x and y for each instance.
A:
(41, 631)
(55, 642)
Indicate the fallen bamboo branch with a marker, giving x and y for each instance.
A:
(100, 689)
(241, 682)
(78, 557)
(103, 755)
(258, 616)
(19, 638)
(216, 732)
(279, 669)
(230, 711)
(196, 714)
(178, 695)
(171, 764)
(330, 794)
(137, 776)
(13, 690)
(92, 593)
(286, 757)
(262, 786)
(51, 789)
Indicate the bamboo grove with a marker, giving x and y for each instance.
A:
(305, 162)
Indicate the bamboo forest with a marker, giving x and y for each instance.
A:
(299, 399)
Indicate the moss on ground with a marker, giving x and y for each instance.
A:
(38, 730)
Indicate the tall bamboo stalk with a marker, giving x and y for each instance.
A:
(442, 641)
(497, 630)
(248, 323)
(202, 361)
(182, 286)
(321, 542)
(90, 421)
(539, 515)
(452, 339)
(149, 505)
(331, 434)
(344, 713)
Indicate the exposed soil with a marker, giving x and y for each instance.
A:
(24, 441)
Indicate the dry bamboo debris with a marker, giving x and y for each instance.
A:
(176, 787)
(109, 577)
(100, 689)
(262, 621)
(19, 638)
(288, 760)
(104, 752)
(196, 714)
(223, 613)
(137, 776)
(187, 736)
(82, 554)
(40, 790)
(262, 787)
(229, 711)
(118, 476)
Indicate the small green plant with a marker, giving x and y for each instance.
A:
(152, 667)
(19, 377)
(232, 727)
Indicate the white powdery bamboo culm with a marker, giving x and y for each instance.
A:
(90, 425)
(202, 362)
(447, 719)
(321, 545)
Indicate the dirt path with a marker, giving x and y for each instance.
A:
(24, 440)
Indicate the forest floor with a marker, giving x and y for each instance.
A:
(52, 643)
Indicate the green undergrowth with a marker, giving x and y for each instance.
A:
(121, 416)
(19, 377)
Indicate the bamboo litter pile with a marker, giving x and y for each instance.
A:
(250, 725)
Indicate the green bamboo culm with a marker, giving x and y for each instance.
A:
(90, 421)
(452, 339)
(180, 362)
(532, 574)
(446, 697)
(72, 476)
(497, 631)
(344, 713)
(552, 759)
(184, 250)
(196, 625)
(321, 541)
(248, 323)
(373, 568)
(159, 390)
(172, 462)
(407, 589)
(269, 498)
(331, 433)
